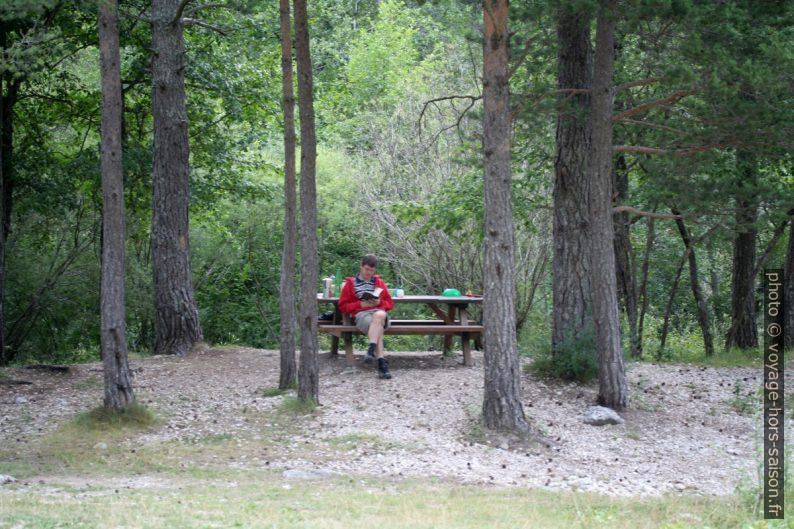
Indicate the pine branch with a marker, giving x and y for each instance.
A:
(672, 98)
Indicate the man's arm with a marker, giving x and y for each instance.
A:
(386, 302)
(348, 303)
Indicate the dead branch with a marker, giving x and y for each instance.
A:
(179, 11)
(201, 23)
(687, 151)
(640, 213)
(672, 98)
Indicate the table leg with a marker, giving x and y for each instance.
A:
(450, 317)
(464, 340)
(335, 339)
(348, 338)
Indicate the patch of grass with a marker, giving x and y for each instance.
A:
(215, 439)
(744, 402)
(263, 499)
(136, 417)
(272, 392)
(296, 406)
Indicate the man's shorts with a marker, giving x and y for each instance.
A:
(364, 318)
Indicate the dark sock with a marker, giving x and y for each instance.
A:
(371, 349)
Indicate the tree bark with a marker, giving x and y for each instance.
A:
(669, 307)
(743, 332)
(177, 324)
(3, 359)
(646, 261)
(623, 258)
(613, 391)
(571, 307)
(288, 371)
(502, 409)
(113, 333)
(9, 93)
(788, 290)
(308, 371)
(694, 280)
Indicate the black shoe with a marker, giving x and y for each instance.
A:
(383, 368)
(370, 353)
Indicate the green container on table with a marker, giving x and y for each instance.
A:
(451, 293)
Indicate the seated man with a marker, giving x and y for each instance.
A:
(366, 299)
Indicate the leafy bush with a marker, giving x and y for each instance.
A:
(575, 360)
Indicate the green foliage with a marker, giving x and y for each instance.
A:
(576, 359)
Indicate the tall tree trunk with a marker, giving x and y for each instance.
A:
(571, 307)
(714, 282)
(177, 324)
(743, 333)
(9, 101)
(788, 290)
(502, 409)
(308, 372)
(113, 331)
(613, 391)
(646, 261)
(668, 311)
(623, 258)
(288, 371)
(9, 92)
(3, 359)
(694, 280)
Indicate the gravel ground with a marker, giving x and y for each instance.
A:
(686, 431)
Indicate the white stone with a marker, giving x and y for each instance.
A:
(4, 478)
(599, 416)
(101, 446)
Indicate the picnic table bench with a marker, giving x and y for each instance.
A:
(452, 311)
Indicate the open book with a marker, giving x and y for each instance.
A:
(371, 295)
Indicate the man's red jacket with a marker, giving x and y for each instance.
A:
(350, 304)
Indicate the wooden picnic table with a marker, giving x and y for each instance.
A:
(453, 321)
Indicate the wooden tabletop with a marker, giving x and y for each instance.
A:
(450, 300)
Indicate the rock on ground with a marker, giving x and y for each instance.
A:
(599, 416)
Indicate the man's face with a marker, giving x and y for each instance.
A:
(366, 272)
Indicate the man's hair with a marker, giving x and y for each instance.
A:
(370, 260)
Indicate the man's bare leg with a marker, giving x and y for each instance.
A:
(376, 336)
(375, 333)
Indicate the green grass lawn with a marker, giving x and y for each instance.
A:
(66, 481)
(248, 498)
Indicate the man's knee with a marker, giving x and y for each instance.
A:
(380, 316)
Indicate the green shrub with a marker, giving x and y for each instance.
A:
(575, 360)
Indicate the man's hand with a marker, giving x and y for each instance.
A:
(370, 303)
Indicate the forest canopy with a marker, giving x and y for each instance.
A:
(702, 129)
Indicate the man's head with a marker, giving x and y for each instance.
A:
(368, 265)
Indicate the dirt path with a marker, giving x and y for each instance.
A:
(689, 430)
